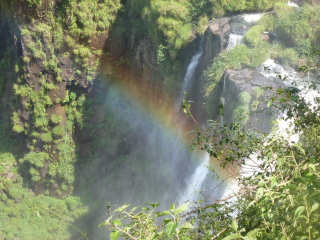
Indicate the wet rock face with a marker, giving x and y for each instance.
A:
(216, 38)
(131, 55)
(254, 83)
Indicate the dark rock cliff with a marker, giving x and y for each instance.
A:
(50, 68)
(256, 86)
(215, 40)
(39, 69)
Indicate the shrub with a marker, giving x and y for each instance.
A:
(253, 35)
(55, 119)
(36, 159)
(58, 131)
(46, 137)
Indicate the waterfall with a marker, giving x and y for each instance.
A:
(252, 17)
(189, 76)
(222, 99)
(283, 126)
(292, 4)
(234, 40)
(196, 181)
(198, 177)
(271, 69)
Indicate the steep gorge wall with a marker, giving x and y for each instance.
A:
(246, 91)
(215, 40)
(54, 59)
(49, 61)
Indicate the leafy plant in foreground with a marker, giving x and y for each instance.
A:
(279, 181)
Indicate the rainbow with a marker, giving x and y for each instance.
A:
(157, 107)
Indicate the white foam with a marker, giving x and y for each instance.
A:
(234, 40)
(292, 4)
(271, 69)
(187, 81)
(252, 17)
(196, 182)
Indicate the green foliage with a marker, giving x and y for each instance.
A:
(55, 119)
(39, 217)
(202, 24)
(32, 2)
(46, 137)
(173, 23)
(253, 35)
(247, 5)
(173, 19)
(91, 17)
(279, 199)
(235, 58)
(267, 21)
(293, 27)
(289, 56)
(140, 223)
(58, 131)
(24, 215)
(241, 112)
(17, 124)
(200, 9)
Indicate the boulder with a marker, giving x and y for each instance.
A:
(216, 38)
(254, 83)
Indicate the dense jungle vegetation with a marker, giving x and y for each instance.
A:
(50, 55)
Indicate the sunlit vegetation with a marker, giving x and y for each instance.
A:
(279, 199)
(293, 46)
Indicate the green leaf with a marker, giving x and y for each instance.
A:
(154, 205)
(172, 207)
(300, 148)
(185, 238)
(259, 193)
(234, 225)
(114, 235)
(311, 166)
(171, 228)
(133, 209)
(187, 226)
(253, 233)
(120, 209)
(181, 209)
(298, 211)
(164, 213)
(314, 207)
(117, 222)
(269, 104)
(233, 236)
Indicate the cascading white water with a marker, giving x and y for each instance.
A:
(198, 177)
(189, 76)
(252, 17)
(234, 40)
(274, 70)
(292, 4)
(283, 126)
(196, 181)
(222, 100)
